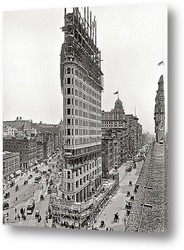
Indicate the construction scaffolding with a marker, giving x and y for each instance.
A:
(80, 44)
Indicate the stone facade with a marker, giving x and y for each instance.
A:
(115, 120)
(81, 85)
(159, 112)
(111, 152)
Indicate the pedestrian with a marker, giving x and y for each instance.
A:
(15, 217)
(16, 199)
(15, 210)
(107, 229)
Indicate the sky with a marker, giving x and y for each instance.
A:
(132, 39)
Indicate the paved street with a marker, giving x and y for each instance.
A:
(21, 198)
(118, 201)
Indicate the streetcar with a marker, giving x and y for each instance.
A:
(30, 206)
(38, 178)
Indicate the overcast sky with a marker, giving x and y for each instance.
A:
(132, 39)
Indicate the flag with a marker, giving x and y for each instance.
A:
(160, 63)
(116, 93)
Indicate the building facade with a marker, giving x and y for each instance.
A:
(159, 112)
(25, 146)
(39, 151)
(81, 85)
(131, 133)
(54, 134)
(8, 130)
(111, 152)
(115, 120)
(11, 163)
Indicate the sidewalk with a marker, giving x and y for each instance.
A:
(118, 201)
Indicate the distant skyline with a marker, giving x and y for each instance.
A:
(132, 39)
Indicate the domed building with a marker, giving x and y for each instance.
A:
(115, 120)
(119, 106)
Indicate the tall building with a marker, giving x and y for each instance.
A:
(81, 85)
(115, 119)
(131, 134)
(159, 112)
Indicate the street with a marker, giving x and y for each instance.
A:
(21, 198)
(118, 201)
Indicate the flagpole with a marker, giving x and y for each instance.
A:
(118, 93)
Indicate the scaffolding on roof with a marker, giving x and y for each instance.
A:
(80, 45)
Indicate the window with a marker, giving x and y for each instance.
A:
(68, 186)
(68, 121)
(68, 91)
(77, 184)
(76, 121)
(68, 131)
(68, 70)
(68, 174)
(68, 101)
(68, 80)
(80, 181)
(68, 111)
